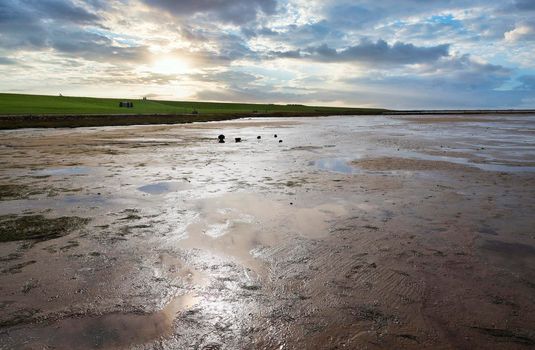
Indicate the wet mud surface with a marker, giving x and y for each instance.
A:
(354, 232)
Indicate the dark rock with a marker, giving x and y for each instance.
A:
(258, 137)
(251, 287)
(221, 138)
(275, 135)
(238, 139)
(280, 141)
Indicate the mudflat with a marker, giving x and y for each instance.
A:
(367, 232)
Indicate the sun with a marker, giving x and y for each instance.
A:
(170, 65)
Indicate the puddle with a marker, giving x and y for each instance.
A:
(162, 187)
(237, 224)
(341, 165)
(337, 165)
(218, 230)
(73, 170)
(112, 330)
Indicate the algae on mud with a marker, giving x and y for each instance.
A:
(13, 191)
(37, 227)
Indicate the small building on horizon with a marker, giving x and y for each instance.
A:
(126, 104)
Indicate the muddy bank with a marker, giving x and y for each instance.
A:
(369, 232)
(74, 121)
(80, 120)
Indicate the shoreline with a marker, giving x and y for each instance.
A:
(10, 122)
(460, 112)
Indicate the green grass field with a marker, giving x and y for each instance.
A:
(38, 111)
(15, 104)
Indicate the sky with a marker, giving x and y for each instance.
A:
(410, 54)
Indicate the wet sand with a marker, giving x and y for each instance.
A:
(354, 232)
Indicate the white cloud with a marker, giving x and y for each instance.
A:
(522, 32)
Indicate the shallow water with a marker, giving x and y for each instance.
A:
(337, 165)
(72, 170)
(162, 187)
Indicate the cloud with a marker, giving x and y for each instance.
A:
(356, 15)
(64, 26)
(63, 10)
(7, 61)
(27, 23)
(229, 77)
(522, 32)
(525, 5)
(389, 53)
(252, 94)
(94, 47)
(457, 73)
(229, 11)
(373, 53)
(14, 11)
(527, 82)
(451, 82)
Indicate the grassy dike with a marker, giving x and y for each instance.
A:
(39, 111)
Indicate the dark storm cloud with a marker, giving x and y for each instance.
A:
(232, 11)
(379, 52)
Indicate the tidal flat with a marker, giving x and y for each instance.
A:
(365, 232)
